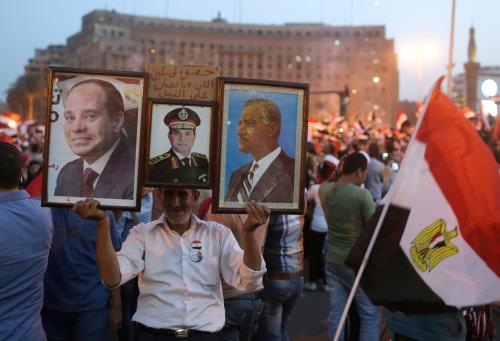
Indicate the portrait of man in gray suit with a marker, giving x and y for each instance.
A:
(93, 129)
(269, 177)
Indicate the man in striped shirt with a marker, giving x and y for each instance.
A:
(284, 280)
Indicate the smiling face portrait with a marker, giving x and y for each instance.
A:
(93, 118)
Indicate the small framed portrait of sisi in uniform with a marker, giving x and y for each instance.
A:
(179, 144)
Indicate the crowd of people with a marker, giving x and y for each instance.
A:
(177, 270)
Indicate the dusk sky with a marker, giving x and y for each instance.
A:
(30, 24)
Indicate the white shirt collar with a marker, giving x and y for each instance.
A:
(195, 221)
(268, 159)
(264, 164)
(180, 156)
(100, 163)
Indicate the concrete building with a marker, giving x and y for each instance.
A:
(329, 58)
(52, 55)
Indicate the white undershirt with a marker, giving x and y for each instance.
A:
(181, 157)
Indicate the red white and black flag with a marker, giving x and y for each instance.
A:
(439, 243)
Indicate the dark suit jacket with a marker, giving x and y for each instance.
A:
(167, 168)
(115, 182)
(275, 185)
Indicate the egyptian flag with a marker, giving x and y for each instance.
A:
(439, 243)
(34, 188)
(401, 118)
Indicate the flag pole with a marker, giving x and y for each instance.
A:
(360, 273)
(386, 202)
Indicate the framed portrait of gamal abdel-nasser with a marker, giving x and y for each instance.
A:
(93, 142)
(262, 137)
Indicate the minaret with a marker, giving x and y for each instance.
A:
(471, 73)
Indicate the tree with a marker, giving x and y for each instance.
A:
(28, 90)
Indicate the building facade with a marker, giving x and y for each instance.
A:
(485, 90)
(478, 87)
(329, 58)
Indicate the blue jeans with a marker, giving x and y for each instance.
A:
(241, 318)
(340, 279)
(280, 297)
(129, 292)
(80, 325)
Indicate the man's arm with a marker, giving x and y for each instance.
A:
(368, 207)
(115, 310)
(105, 253)
(257, 215)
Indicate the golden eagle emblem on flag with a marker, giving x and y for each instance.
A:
(432, 245)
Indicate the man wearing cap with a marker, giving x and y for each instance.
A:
(179, 164)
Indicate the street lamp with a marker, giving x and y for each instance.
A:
(417, 54)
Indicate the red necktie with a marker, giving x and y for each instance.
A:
(88, 179)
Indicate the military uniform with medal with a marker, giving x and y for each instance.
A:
(180, 166)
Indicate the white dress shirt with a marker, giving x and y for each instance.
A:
(99, 164)
(179, 288)
(182, 157)
(264, 164)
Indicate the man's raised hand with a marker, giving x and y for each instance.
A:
(88, 209)
(257, 215)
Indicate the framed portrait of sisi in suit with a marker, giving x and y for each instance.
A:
(262, 136)
(92, 149)
(180, 144)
